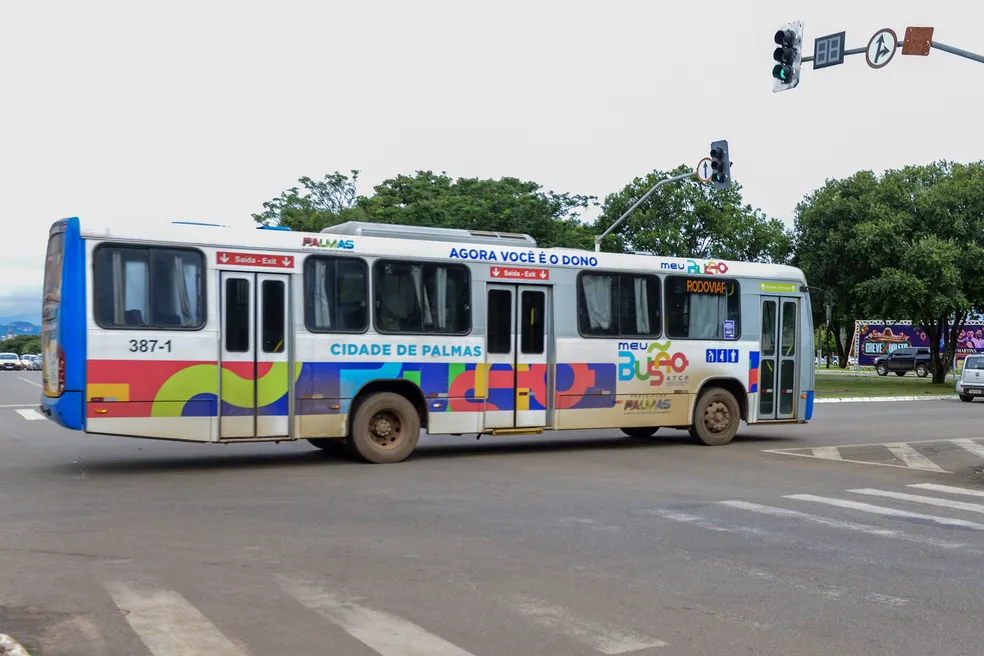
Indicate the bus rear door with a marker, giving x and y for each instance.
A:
(254, 386)
(518, 375)
(778, 387)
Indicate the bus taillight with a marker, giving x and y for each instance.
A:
(61, 370)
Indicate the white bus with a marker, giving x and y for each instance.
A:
(366, 334)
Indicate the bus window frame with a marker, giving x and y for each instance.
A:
(366, 268)
(684, 276)
(203, 287)
(456, 265)
(618, 274)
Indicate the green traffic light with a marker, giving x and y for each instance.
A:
(781, 72)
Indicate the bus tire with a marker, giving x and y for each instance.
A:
(640, 433)
(385, 428)
(716, 417)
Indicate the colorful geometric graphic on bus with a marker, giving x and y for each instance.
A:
(176, 389)
(753, 371)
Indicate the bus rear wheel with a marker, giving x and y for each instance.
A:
(385, 428)
(716, 418)
(640, 433)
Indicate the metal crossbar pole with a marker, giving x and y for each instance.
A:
(956, 51)
(682, 176)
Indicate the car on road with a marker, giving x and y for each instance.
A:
(970, 385)
(30, 362)
(10, 361)
(903, 360)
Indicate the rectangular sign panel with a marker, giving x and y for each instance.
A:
(778, 287)
(266, 260)
(829, 50)
(874, 339)
(519, 273)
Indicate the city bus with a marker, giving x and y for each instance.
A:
(366, 335)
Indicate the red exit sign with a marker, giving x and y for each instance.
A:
(229, 258)
(519, 273)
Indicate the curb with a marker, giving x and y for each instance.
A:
(10, 647)
(866, 399)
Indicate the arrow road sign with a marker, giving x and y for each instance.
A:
(881, 48)
(704, 170)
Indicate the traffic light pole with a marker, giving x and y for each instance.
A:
(676, 178)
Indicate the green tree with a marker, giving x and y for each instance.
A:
(322, 203)
(830, 255)
(504, 205)
(21, 344)
(691, 219)
(923, 235)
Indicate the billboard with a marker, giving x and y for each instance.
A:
(874, 338)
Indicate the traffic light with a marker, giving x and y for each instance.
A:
(720, 165)
(788, 56)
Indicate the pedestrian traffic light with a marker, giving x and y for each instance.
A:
(788, 56)
(720, 165)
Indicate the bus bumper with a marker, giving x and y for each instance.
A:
(67, 409)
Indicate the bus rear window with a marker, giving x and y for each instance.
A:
(149, 288)
(53, 275)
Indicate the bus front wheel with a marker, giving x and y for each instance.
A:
(716, 418)
(385, 428)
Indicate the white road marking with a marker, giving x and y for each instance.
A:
(948, 489)
(918, 498)
(829, 452)
(20, 405)
(168, 624)
(601, 638)
(837, 523)
(970, 445)
(881, 510)
(30, 414)
(30, 382)
(789, 452)
(387, 634)
(912, 458)
(697, 520)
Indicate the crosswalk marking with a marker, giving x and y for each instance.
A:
(913, 458)
(837, 523)
(30, 414)
(948, 489)
(829, 452)
(387, 634)
(168, 624)
(882, 510)
(918, 498)
(971, 446)
(601, 638)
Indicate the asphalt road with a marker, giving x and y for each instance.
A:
(814, 539)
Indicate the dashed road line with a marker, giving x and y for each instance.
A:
(605, 640)
(30, 382)
(918, 498)
(386, 634)
(948, 489)
(168, 624)
(882, 510)
(913, 458)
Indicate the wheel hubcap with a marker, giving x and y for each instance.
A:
(386, 429)
(717, 417)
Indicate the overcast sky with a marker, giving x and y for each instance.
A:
(200, 111)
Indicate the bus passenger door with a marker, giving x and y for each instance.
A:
(254, 381)
(778, 379)
(517, 379)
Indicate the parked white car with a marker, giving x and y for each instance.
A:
(970, 385)
(10, 361)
